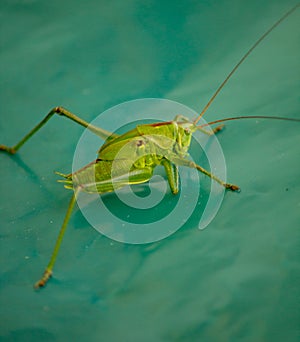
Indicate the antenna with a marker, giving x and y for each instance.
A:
(243, 58)
(250, 117)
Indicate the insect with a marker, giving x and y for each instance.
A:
(147, 146)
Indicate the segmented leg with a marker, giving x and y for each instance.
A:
(228, 186)
(172, 175)
(102, 133)
(48, 271)
(185, 162)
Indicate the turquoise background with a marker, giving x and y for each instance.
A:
(237, 280)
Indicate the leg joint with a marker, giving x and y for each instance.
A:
(58, 110)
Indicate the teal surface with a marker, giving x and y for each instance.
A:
(237, 280)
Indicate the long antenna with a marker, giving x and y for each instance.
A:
(243, 58)
(249, 117)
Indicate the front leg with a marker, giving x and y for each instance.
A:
(185, 162)
(172, 175)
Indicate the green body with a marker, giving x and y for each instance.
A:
(125, 159)
(131, 158)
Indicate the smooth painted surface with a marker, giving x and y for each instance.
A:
(237, 280)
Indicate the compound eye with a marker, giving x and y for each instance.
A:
(139, 143)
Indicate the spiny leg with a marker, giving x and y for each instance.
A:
(228, 186)
(60, 111)
(48, 271)
(185, 162)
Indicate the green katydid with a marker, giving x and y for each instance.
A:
(149, 145)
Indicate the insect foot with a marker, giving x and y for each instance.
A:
(42, 282)
(233, 187)
(7, 149)
(218, 128)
